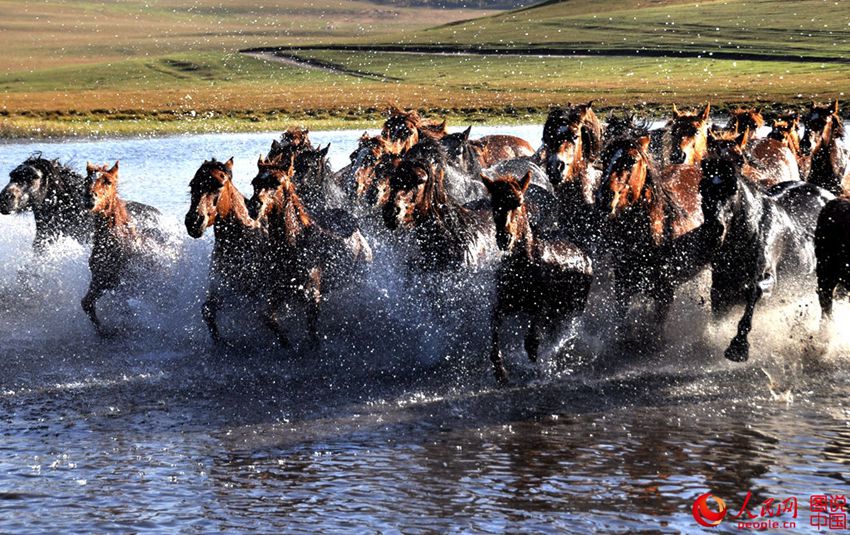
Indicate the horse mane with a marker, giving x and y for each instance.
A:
(69, 180)
(626, 125)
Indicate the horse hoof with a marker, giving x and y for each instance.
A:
(738, 350)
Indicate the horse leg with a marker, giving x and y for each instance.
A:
(739, 348)
(495, 352)
(532, 337)
(314, 299)
(209, 311)
(270, 319)
(88, 303)
(663, 302)
(826, 289)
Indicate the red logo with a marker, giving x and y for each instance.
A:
(704, 515)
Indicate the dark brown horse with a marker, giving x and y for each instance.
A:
(292, 141)
(363, 176)
(447, 235)
(832, 248)
(239, 245)
(572, 141)
(405, 128)
(117, 244)
(741, 119)
(823, 140)
(649, 218)
(549, 279)
(304, 261)
(683, 140)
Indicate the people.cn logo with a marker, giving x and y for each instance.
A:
(706, 516)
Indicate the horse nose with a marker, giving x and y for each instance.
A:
(194, 224)
(555, 171)
(9, 200)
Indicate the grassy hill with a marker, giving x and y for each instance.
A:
(82, 67)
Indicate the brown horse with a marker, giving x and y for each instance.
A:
(238, 250)
(742, 119)
(572, 140)
(649, 219)
(364, 178)
(549, 279)
(447, 234)
(823, 140)
(404, 128)
(304, 261)
(683, 140)
(498, 148)
(776, 158)
(116, 245)
(774, 164)
(292, 141)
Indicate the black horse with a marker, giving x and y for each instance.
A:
(56, 195)
(832, 247)
(757, 237)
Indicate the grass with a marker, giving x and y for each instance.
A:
(80, 68)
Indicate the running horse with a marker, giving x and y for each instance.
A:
(823, 140)
(472, 155)
(761, 236)
(683, 140)
(239, 247)
(648, 218)
(304, 261)
(572, 141)
(404, 129)
(448, 235)
(119, 242)
(741, 119)
(547, 278)
(767, 161)
(832, 247)
(56, 194)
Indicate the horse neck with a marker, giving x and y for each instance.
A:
(113, 217)
(524, 243)
(288, 217)
(231, 207)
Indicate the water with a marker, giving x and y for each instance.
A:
(395, 423)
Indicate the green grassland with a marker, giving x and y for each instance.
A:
(121, 69)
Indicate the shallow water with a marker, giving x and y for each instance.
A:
(395, 423)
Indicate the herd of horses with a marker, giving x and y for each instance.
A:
(649, 208)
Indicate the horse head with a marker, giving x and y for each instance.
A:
(820, 124)
(206, 189)
(741, 119)
(688, 136)
(28, 185)
(364, 162)
(102, 186)
(508, 203)
(572, 137)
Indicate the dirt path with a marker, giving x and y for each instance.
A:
(313, 64)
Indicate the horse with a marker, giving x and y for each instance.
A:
(832, 248)
(118, 242)
(572, 140)
(56, 195)
(239, 246)
(472, 155)
(823, 139)
(448, 235)
(768, 162)
(360, 177)
(785, 131)
(304, 260)
(548, 278)
(758, 239)
(292, 141)
(404, 129)
(648, 224)
(683, 139)
(741, 119)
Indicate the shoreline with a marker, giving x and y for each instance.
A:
(58, 125)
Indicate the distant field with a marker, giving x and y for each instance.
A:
(80, 67)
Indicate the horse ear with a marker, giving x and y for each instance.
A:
(229, 164)
(466, 133)
(525, 182)
(488, 182)
(676, 111)
(275, 144)
(643, 142)
(706, 112)
(743, 137)
(365, 136)
(90, 168)
(835, 107)
(114, 168)
(260, 161)
(589, 104)
(324, 151)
